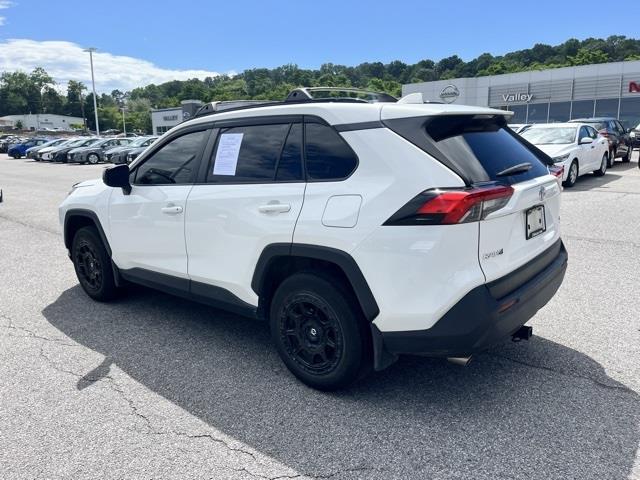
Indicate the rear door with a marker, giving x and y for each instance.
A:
(249, 195)
(483, 149)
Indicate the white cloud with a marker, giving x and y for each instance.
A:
(4, 4)
(67, 61)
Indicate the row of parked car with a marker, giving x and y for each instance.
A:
(82, 150)
(583, 146)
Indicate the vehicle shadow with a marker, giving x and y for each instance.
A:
(532, 410)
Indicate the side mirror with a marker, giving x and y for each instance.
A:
(586, 140)
(117, 177)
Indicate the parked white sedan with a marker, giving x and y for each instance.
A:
(575, 146)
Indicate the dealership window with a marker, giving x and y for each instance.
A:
(519, 113)
(163, 129)
(582, 109)
(559, 111)
(538, 113)
(630, 111)
(607, 107)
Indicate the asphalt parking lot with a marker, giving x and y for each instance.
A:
(152, 386)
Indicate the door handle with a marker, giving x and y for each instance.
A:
(172, 209)
(274, 208)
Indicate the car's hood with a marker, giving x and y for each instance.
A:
(48, 149)
(556, 150)
(88, 183)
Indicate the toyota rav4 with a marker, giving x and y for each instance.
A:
(358, 226)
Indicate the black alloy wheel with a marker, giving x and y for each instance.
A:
(93, 265)
(319, 331)
(311, 333)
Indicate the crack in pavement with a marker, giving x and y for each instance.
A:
(40, 228)
(602, 241)
(31, 333)
(620, 388)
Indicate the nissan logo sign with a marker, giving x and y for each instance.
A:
(449, 93)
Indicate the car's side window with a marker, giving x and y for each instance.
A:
(592, 132)
(249, 154)
(174, 163)
(327, 155)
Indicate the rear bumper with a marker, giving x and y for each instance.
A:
(486, 316)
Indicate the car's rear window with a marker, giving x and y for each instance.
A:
(481, 147)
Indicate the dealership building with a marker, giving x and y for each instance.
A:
(163, 119)
(41, 121)
(554, 95)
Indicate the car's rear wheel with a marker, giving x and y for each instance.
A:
(603, 166)
(93, 265)
(627, 156)
(318, 331)
(572, 176)
(93, 158)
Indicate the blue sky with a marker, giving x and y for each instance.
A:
(198, 37)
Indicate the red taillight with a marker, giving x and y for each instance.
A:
(558, 172)
(448, 207)
(603, 132)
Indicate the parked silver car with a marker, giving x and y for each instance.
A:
(94, 153)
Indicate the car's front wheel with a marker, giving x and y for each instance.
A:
(319, 332)
(93, 158)
(603, 166)
(93, 265)
(627, 156)
(572, 176)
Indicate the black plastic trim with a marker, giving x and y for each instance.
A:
(332, 255)
(191, 290)
(79, 212)
(479, 321)
(349, 127)
(503, 286)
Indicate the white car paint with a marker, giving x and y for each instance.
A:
(215, 233)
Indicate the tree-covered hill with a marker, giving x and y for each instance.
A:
(21, 92)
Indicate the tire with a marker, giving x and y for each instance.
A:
(603, 166)
(627, 157)
(93, 265)
(319, 332)
(93, 159)
(572, 176)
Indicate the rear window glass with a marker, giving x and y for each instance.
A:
(483, 147)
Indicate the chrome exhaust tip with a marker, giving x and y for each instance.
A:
(461, 361)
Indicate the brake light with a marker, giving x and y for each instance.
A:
(558, 172)
(449, 207)
(603, 132)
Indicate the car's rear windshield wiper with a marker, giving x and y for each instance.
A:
(520, 168)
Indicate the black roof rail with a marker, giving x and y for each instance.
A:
(299, 95)
(343, 93)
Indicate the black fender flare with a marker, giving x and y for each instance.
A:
(341, 259)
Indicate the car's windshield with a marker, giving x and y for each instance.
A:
(84, 143)
(598, 125)
(550, 136)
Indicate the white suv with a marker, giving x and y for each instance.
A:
(359, 230)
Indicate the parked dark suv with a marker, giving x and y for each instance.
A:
(614, 131)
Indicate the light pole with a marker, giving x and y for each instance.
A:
(124, 125)
(93, 83)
